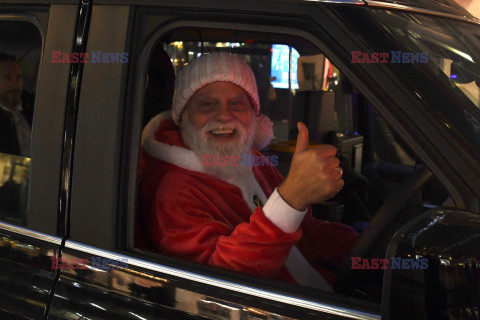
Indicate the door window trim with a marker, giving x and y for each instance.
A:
(29, 233)
(223, 284)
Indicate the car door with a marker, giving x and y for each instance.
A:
(117, 280)
(30, 178)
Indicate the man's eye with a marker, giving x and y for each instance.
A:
(206, 106)
(239, 105)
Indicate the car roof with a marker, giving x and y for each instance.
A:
(445, 8)
(449, 7)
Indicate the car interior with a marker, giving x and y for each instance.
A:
(386, 185)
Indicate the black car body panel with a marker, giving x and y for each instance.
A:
(449, 287)
(27, 281)
(109, 277)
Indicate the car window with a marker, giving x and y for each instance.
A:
(20, 51)
(296, 82)
(451, 46)
(450, 51)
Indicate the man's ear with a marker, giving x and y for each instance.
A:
(263, 132)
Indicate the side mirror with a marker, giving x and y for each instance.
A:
(436, 274)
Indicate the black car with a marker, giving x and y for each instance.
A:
(394, 85)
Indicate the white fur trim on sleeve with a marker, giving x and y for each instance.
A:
(281, 214)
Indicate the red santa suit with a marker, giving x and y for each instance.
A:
(186, 213)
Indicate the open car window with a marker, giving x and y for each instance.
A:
(296, 82)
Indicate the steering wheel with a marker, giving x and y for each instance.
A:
(385, 215)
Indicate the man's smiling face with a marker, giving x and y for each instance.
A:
(222, 115)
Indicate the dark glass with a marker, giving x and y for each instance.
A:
(447, 80)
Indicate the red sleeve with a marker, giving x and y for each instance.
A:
(191, 228)
(326, 243)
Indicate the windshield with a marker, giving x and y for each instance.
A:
(453, 50)
(453, 47)
(447, 68)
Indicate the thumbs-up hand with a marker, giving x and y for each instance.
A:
(302, 138)
(312, 177)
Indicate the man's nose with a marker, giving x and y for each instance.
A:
(224, 114)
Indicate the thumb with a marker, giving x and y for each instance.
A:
(302, 138)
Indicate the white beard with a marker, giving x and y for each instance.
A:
(240, 175)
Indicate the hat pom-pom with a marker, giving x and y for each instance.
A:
(263, 132)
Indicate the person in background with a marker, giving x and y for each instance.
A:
(15, 130)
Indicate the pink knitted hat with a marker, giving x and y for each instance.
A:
(211, 68)
(224, 67)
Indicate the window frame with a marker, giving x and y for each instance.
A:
(205, 274)
(42, 204)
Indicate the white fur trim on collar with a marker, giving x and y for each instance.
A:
(181, 157)
(187, 159)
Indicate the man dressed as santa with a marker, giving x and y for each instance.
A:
(229, 213)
